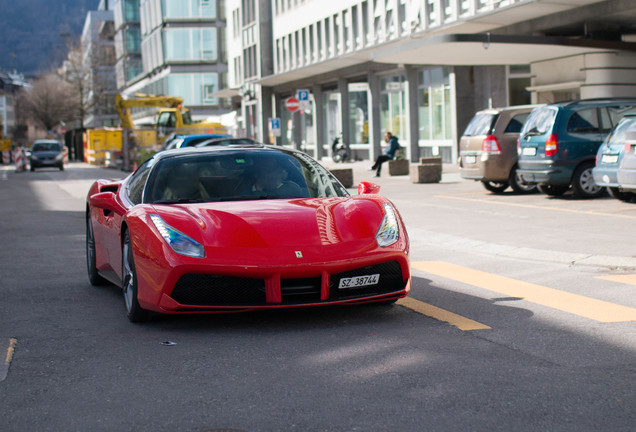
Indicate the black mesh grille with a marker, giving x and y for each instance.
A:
(306, 290)
(212, 290)
(390, 281)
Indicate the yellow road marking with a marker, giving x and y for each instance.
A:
(542, 207)
(10, 350)
(626, 279)
(587, 307)
(458, 321)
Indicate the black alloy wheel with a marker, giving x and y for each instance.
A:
(553, 190)
(495, 186)
(134, 311)
(91, 266)
(519, 185)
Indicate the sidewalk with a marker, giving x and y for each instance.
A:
(450, 172)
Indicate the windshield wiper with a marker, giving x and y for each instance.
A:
(180, 201)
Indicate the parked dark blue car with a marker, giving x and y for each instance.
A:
(559, 142)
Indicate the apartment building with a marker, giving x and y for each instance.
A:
(97, 67)
(127, 42)
(182, 52)
(418, 68)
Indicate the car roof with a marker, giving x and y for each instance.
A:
(211, 135)
(595, 102)
(47, 141)
(190, 151)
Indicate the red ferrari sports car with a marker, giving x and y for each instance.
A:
(242, 227)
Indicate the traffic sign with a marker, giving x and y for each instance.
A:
(292, 104)
(274, 126)
(302, 95)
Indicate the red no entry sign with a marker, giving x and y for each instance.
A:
(292, 104)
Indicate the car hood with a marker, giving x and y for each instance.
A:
(300, 224)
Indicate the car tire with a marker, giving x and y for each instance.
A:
(93, 275)
(553, 190)
(518, 185)
(134, 311)
(583, 184)
(61, 167)
(495, 186)
(615, 192)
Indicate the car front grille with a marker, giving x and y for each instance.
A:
(215, 290)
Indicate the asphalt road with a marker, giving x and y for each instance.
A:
(522, 317)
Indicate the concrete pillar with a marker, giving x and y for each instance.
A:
(319, 122)
(413, 150)
(343, 89)
(375, 137)
(266, 112)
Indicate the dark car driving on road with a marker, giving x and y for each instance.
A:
(559, 142)
(46, 153)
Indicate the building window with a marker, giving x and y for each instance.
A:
(182, 9)
(190, 44)
(434, 105)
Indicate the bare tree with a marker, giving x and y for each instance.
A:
(93, 89)
(49, 101)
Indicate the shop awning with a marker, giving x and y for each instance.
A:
(480, 49)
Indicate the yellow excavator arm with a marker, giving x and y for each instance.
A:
(142, 100)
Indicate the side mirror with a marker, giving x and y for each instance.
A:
(106, 201)
(368, 188)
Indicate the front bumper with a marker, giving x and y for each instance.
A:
(605, 176)
(627, 179)
(195, 286)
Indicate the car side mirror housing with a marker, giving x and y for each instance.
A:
(106, 201)
(366, 187)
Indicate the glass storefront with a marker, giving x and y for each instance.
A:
(435, 109)
(393, 107)
(358, 115)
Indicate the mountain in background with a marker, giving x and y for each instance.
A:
(34, 33)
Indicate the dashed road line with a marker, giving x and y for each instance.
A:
(587, 307)
(4, 367)
(462, 323)
(629, 279)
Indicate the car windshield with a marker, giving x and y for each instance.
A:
(39, 147)
(539, 122)
(239, 175)
(481, 124)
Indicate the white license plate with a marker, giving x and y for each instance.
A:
(606, 158)
(359, 281)
(470, 159)
(529, 151)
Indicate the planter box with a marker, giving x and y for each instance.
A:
(399, 167)
(344, 176)
(426, 173)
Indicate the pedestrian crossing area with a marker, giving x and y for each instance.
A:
(583, 306)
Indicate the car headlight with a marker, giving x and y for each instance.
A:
(178, 241)
(59, 156)
(389, 231)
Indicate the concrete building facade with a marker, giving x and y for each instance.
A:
(182, 47)
(419, 69)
